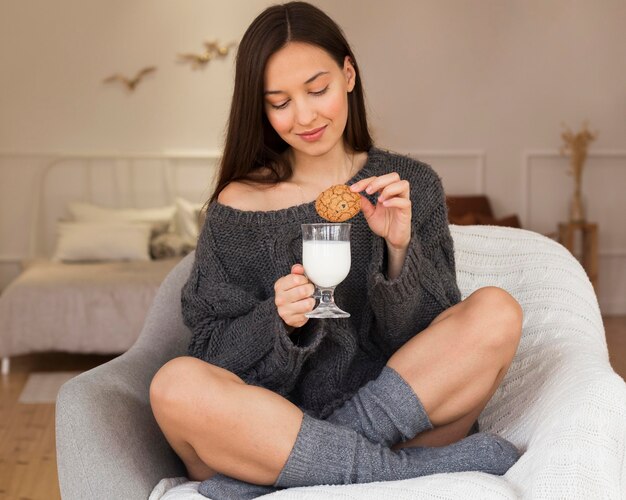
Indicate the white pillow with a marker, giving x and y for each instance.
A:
(186, 220)
(88, 212)
(84, 241)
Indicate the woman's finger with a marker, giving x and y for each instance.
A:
(380, 182)
(394, 189)
(297, 269)
(296, 294)
(290, 281)
(359, 186)
(363, 184)
(366, 207)
(294, 314)
(397, 203)
(302, 306)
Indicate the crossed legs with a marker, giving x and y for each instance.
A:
(459, 362)
(217, 423)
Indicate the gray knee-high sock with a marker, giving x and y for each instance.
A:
(325, 453)
(481, 451)
(221, 487)
(386, 410)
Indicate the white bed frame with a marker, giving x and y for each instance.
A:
(138, 180)
(81, 178)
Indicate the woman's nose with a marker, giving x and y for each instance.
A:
(306, 114)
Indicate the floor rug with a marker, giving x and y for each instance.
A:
(43, 387)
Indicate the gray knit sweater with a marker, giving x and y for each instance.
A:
(228, 301)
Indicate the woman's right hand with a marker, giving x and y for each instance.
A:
(294, 297)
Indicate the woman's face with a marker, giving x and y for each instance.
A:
(306, 97)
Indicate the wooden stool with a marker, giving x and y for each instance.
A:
(589, 253)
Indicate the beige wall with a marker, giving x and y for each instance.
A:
(478, 88)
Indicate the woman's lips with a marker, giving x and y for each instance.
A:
(314, 135)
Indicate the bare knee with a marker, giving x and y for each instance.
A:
(168, 381)
(171, 395)
(495, 317)
(180, 379)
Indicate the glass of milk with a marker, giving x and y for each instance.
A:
(326, 261)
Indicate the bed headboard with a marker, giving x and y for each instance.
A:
(116, 181)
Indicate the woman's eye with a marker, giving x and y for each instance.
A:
(284, 104)
(280, 106)
(320, 92)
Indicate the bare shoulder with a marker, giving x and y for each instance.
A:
(240, 195)
(259, 196)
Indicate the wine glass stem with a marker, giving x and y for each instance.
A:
(327, 297)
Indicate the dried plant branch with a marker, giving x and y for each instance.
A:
(576, 145)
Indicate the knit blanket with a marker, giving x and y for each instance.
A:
(561, 402)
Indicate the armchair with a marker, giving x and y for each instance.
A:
(560, 402)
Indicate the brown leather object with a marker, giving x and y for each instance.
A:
(461, 205)
(476, 209)
(467, 219)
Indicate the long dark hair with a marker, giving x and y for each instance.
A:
(251, 142)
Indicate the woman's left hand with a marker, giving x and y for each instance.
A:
(390, 218)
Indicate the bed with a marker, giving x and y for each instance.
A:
(94, 263)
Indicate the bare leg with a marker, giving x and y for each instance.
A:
(217, 423)
(454, 431)
(458, 362)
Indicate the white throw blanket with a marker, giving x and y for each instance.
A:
(560, 402)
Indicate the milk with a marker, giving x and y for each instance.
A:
(326, 263)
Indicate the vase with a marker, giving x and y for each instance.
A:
(577, 208)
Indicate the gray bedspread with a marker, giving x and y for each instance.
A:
(78, 307)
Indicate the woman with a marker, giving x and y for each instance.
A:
(270, 399)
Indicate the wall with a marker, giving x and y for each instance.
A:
(479, 89)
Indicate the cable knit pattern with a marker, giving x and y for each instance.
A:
(228, 301)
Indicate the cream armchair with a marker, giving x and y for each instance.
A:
(561, 402)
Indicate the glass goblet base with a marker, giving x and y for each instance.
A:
(327, 312)
(327, 307)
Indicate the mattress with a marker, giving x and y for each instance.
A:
(78, 307)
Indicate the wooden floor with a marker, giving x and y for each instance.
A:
(27, 446)
(28, 466)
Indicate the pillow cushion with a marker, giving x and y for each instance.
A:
(83, 241)
(186, 220)
(88, 212)
(167, 245)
